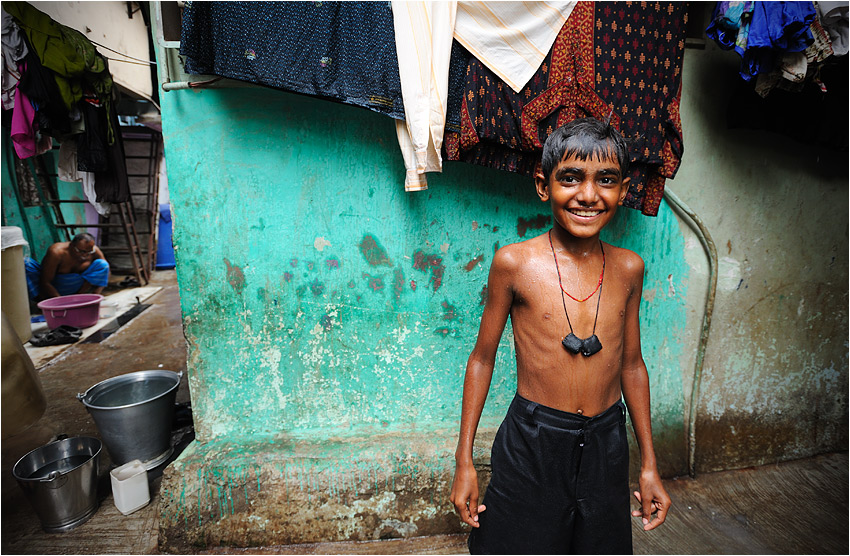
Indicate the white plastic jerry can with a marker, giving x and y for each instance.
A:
(130, 487)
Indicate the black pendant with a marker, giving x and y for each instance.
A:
(572, 343)
(591, 345)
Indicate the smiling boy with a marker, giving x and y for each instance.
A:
(560, 458)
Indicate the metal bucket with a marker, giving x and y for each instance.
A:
(133, 413)
(60, 481)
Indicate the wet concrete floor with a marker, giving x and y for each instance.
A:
(798, 507)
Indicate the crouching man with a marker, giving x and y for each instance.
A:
(69, 267)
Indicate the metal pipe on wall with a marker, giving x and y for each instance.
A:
(697, 225)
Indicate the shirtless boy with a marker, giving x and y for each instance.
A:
(560, 458)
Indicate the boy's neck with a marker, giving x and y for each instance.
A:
(563, 240)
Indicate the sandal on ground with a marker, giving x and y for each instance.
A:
(65, 334)
(129, 282)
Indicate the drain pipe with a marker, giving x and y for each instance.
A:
(697, 225)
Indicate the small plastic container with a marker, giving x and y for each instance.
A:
(108, 309)
(130, 487)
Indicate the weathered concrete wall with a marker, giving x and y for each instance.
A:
(775, 380)
(323, 302)
(329, 314)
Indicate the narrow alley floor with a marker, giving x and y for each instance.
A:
(798, 507)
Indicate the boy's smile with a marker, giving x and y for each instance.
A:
(584, 194)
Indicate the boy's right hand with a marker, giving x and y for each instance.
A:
(465, 494)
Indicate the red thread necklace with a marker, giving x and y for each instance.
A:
(560, 283)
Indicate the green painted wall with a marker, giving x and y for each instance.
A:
(37, 224)
(320, 300)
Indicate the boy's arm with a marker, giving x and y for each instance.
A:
(476, 384)
(635, 385)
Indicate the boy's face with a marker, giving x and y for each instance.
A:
(583, 194)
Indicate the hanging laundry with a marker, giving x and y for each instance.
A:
(38, 83)
(14, 50)
(92, 150)
(72, 59)
(423, 39)
(23, 117)
(834, 17)
(766, 31)
(622, 60)
(794, 68)
(342, 51)
(56, 54)
(511, 38)
(67, 171)
(113, 184)
(776, 27)
(730, 24)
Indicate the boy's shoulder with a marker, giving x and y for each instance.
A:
(515, 255)
(625, 260)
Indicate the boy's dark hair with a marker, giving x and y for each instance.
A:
(584, 138)
(81, 237)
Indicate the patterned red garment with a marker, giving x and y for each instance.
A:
(624, 56)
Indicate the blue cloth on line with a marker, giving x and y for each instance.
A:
(97, 274)
(342, 51)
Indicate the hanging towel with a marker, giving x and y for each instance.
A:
(511, 38)
(23, 117)
(423, 38)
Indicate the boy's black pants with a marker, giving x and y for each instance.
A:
(559, 484)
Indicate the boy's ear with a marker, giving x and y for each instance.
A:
(542, 186)
(624, 188)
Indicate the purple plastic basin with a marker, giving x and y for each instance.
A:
(80, 310)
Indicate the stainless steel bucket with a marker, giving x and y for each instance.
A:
(60, 481)
(133, 413)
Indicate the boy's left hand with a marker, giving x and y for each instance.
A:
(653, 500)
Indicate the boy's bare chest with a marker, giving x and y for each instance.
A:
(539, 301)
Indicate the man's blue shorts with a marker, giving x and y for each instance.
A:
(560, 484)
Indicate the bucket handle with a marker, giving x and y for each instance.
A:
(80, 396)
(53, 314)
(54, 480)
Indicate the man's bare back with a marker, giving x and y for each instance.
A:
(546, 372)
(68, 262)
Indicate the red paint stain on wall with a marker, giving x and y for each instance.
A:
(473, 263)
(372, 251)
(536, 223)
(235, 277)
(430, 263)
(375, 282)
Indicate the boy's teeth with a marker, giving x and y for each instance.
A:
(586, 212)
